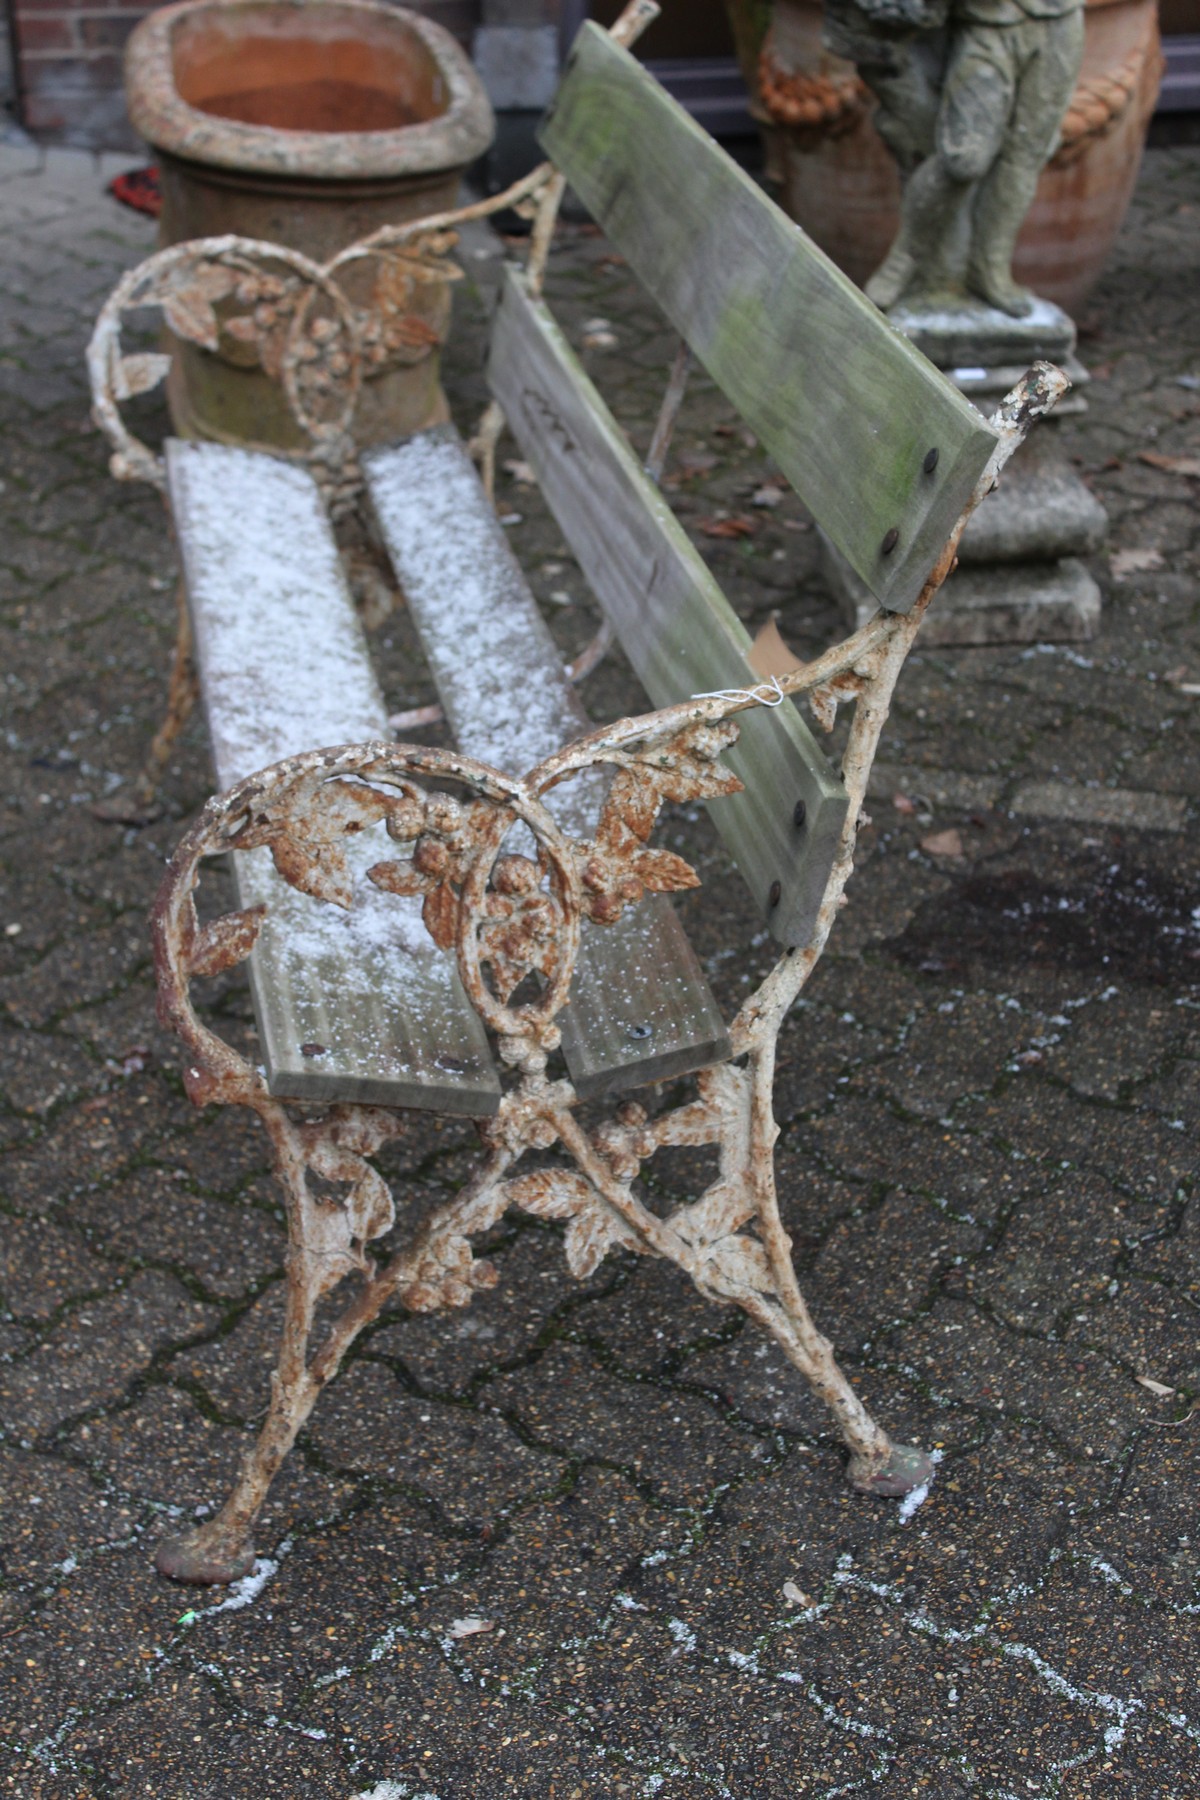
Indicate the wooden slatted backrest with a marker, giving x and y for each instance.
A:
(674, 623)
(848, 408)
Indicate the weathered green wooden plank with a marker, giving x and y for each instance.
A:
(350, 1006)
(640, 1007)
(674, 623)
(848, 408)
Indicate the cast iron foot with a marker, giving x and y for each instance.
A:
(202, 1560)
(905, 1469)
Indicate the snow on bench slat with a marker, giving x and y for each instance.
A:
(500, 680)
(284, 668)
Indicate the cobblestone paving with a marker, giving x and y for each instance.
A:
(988, 1104)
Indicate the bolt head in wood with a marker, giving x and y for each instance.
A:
(639, 1032)
(776, 893)
(800, 814)
(890, 540)
(931, 460)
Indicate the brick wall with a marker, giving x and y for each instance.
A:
(68, 64)
(6, 68)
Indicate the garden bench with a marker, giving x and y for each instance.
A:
(426, 928)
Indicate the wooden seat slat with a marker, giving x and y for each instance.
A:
(844, 403)
(640, 1009)
(357, 1005)
(674, 623)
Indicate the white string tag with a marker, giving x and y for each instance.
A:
(766, 693)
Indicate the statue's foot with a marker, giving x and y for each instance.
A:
(1000, 291)
(905, 1469)
(204, 1558)
(894, 274)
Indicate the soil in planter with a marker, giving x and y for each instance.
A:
(318, 80)
(320, 104)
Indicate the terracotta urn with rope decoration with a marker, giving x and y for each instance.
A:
(836, 177)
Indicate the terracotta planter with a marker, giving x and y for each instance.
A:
(840, 183)
(309, 123)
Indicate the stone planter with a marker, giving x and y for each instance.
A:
(308, 123)
(840, 183)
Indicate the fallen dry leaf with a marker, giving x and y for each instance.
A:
(1134, 562)
(1173, 465)
(943, 843)
(461, 1628)
(768, 655)
(1154, 1387)
(903, 804)
(737, 525)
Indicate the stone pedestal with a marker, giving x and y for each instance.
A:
(1019, 578)
(968, 335)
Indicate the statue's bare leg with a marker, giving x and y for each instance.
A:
(972, 117)
(1054, 49)
(1000, 207)
(931, 201)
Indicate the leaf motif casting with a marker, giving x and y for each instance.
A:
(139, 374)
(617, 868)
(410, 302)
(188, 301)
(337, 1231)
(306, 839)
(594, 1229)
(226, 942)
(826, 699)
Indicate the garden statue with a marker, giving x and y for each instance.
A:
(971, 96)
(971, 99)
